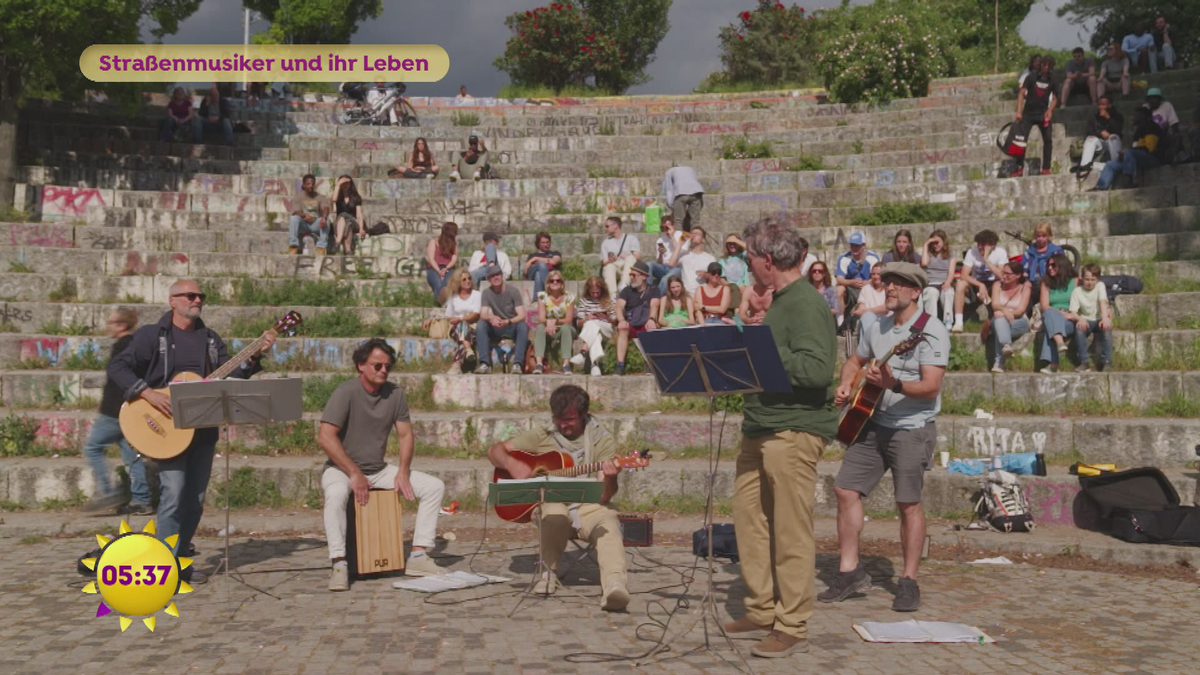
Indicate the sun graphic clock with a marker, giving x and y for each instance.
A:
(137, 575)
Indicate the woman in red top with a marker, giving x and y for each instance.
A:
(179, 114)
(441, 257)
(713, 297)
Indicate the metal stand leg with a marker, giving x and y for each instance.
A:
(540, 568)
(224, 564)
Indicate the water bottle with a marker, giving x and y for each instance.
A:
(997, 463)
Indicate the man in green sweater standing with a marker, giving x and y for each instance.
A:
(783, 436)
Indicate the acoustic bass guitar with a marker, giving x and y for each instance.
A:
(864, 396)
(154, 434)
(557, 464)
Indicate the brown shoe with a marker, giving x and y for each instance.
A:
(778, 645)
(293, 250)
(320, 251)
(745, 625)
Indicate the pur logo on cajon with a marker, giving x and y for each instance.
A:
(381, 563)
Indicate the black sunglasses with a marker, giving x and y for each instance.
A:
(380, 366)
(191, 296)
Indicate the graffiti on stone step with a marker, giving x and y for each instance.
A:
(951, 156)
(211, 183)
(28, 234)
(988, 441)
(761, 165)
(62, 433)
(40, 390)
(11, 314)
(135, 265)
(885, 178)
(221, 203)
(101, 241)
(270, 186)
(725, 127)
(335, 266)
(1052, 503)
(506, 157)
(54, 350)
(456, 207)
(69, 202)
(830, 110)
(822, 180)
(420, 349)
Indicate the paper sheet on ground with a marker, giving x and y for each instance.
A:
(447, 582)
(920, 631)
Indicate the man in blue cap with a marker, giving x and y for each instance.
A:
(853, 272)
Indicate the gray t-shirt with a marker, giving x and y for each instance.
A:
(503, 305)
(938, 270)
(1113, 69)
(619, 246)
(365, 420)
(896, 411)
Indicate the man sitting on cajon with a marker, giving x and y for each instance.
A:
(354, 431)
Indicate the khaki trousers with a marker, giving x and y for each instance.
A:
(598, 525)
(616, 274)
(773, 499)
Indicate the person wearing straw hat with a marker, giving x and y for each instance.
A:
(733, 263)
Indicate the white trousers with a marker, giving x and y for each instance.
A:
(929, 301)
(1092, 146)
(592, 335)
(616, 274)
(336, 486)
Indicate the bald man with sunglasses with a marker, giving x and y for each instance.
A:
(179, 342)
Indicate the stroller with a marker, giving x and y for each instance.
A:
(390, 108)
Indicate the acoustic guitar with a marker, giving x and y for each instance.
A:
(557, 464)
(864, 396)
(154, 434)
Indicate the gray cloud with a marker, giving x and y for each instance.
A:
(473, 33)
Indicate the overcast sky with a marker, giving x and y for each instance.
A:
(473, 33)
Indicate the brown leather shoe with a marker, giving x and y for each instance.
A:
(745, 625)
(778, 645)
(293, 250)
(320, 251)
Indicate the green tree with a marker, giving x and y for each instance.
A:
(556, 46)
(772, 45)
(1114, 20)
(637, 26)
(310, 22)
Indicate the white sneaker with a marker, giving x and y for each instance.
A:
(429, 176)
(421, 567)
(454, 175)
(596, 371)
(957, 328)
(578, 359)
(339, 580)
(1007, 351)
(997, 368)
(476, 177)
(616, 597)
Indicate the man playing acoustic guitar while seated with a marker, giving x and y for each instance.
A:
(900, 435)
(178, 343)
(581, 436)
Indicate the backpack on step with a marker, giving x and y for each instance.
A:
(1003, 505)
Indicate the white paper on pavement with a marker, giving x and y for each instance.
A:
(920, 631)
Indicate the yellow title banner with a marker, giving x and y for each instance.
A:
(264, 63)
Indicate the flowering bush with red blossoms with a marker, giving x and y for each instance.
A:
(770, 45)
(556, 46)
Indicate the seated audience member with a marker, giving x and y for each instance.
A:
(693, 260)
(180, 114)
(902, 249)
(463, 95)
(1161, 111)
(712, 297)
(556, 321)
(852, 273)
(637, 310)
(501, 315)
(541, 262)
(214, 114)
(1142, 155)
(756, 300)
(420, 163)
(462, 310)
(1058, 321)
(935, 258)
(685, 196)
(474, 160)
(872, 301)
(355, 426)
(981, 266)
(1164, 47)
(733, 265)
(1104, 129)
(441, 258)
(1114, 72)
(1089, 302)
(618, 253)
(818, 276)
(664, 248)
(1080, 75)
(310, 219)
(1033, 261)
(488, 256)
(349, 223)
(1138, 45)
(1010, 299)
(595, 314)
(676, 309)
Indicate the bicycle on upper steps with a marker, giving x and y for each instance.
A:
(367, 104)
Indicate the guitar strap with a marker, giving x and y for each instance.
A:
(918, 327)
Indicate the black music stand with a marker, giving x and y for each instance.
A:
(225, 403)
(711, 361)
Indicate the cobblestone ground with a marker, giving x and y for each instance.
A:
(1045, 620)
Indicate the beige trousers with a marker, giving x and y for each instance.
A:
(598, 525)
(773, 499)
(616, 274)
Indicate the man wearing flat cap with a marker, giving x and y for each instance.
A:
(900, 436)
(501, 315)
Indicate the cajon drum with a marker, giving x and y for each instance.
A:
(378, 533)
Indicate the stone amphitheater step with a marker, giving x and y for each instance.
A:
(1164, 442)
(31, 481)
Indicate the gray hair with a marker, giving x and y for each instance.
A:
(777, 239)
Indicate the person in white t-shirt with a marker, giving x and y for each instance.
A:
(981, 266)
(872, 301)
(618, 253)
(1090, 301)
(462, 310)
(661, 270)
(489, 255)
(693, 262)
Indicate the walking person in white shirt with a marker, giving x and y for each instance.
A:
(685, 195)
